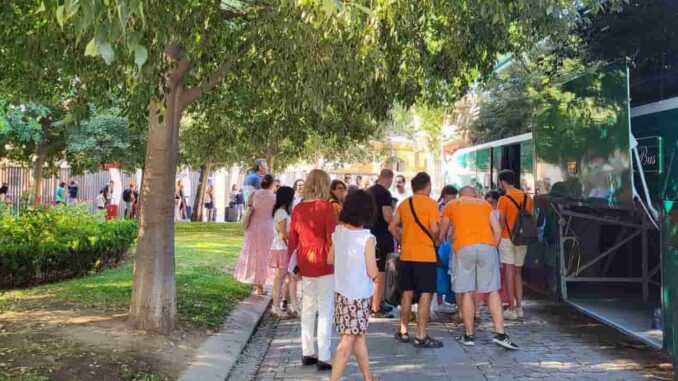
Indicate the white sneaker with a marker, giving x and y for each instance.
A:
(510, 315)
(520, 312)
(447, 308)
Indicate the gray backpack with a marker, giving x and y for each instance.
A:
(524, 230)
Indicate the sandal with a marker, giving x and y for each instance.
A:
(428, 342)
(402, 337)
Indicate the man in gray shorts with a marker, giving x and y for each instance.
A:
(475, 265)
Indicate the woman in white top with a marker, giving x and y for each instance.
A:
(355, 268)
(279, 258)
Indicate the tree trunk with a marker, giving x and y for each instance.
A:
(270, 153)
(153, 306)
(39, 163)
(202, 187)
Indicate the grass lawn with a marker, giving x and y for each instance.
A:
(204, 294)
(77, 330)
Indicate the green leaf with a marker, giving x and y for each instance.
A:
(91, 49)
(42, 7)
(60, 15)
(123, 14)
(140, 55)
(549, 9)
(106, 52)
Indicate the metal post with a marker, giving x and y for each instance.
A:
(645, 264)
(561, 242)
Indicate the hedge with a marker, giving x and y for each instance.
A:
(45, 244)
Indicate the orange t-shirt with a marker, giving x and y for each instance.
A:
(471, 220)
(416, 246)
(509, 209)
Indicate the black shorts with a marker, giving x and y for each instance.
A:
(417, 276)
(381, 259)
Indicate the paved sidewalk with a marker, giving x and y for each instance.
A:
(555, 342)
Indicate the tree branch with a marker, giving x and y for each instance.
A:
(193, 93)
(177, 75)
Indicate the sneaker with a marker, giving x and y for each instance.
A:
(467, 340)
(510, 314)
(447, 308)
(380, 315)
(385, 307)
(521, 314)
(503, 341)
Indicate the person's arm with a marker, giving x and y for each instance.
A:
(371, 258)
(496, 229)
(394, 227)
(444, 228)
(293, 236)
(281, 228)
(434, 223)
(387, 212)
(330, 221)
(501, 208)
(330, 256)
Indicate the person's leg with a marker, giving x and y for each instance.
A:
(379, 282)
(494, 305)
(325, 317)
(405, 310)
(310, 307)
(467, 312)
(423, 312)
(510, 286)
(362, 356)
(340, 358)
(476, 302)
(518, 277)
(378, 291)
(292, 292)
(277, 285)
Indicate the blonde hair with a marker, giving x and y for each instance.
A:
(317, 186)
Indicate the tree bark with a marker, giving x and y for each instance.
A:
(39, 164)
(154, 299)
(270, 153)
(153, 306)
(200, 196)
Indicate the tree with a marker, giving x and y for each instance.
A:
(161, 57)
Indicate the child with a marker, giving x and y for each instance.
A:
(355, 268)
(445, 298)
(100, 201)
(279, 259)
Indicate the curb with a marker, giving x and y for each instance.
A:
(218, 354)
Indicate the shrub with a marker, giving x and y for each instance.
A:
(50, 243)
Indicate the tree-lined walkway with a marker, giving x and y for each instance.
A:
(556, 343)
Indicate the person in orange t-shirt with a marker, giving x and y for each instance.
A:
(418, 259)
(512, 256)
(475, 266)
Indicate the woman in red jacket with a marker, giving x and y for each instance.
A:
(311, 228)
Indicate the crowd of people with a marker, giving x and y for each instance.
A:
(334, 237)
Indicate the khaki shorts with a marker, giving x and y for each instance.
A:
(512, 254)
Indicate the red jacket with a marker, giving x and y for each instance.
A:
(311, 231)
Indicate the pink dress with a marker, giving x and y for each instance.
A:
(252, 267)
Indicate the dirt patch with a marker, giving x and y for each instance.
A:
(67, 343)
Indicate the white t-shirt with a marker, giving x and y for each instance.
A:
(350, 268)
(280, 215)
(400, 196)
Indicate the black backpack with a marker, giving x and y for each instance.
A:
(127, 195)
(524, 230)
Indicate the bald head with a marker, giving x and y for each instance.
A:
(468, 191)
(385, 178)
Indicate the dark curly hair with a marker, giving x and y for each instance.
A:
(359, 209)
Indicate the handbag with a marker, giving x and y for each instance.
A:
(247, 215)
(428, 234)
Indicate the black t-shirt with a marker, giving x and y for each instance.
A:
(382, 197)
